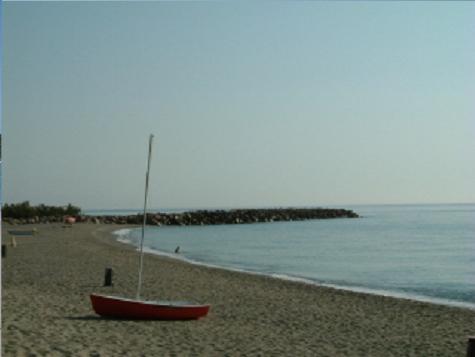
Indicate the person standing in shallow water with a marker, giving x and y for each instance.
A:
(177, 250)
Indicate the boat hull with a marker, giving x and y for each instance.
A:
(117, 307)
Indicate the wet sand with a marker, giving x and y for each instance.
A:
(47, 279)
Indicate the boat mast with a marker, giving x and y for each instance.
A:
(139, 286)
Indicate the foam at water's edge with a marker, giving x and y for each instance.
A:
(123, 235)
(381, 292)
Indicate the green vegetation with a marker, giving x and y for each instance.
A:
(24, 210)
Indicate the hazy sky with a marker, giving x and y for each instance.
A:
(252, 104)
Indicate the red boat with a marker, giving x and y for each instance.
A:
(119, 307)
(123, 308)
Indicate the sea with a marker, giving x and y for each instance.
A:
(418, 252)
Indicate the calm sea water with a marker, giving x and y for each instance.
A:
(422, 252)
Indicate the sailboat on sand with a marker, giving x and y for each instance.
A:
(127, 308)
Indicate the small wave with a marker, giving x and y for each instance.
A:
(380, 292)
(123, 235)
(183, 258)
(122, 232)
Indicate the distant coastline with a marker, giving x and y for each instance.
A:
(203, 217)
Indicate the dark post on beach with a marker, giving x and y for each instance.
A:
(471, 346)
(4, 250)
(108, 277)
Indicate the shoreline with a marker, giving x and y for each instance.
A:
(286, 277)
(47, 280)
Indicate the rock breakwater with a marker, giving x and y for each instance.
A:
(205, 217)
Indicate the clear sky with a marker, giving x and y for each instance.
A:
(252, 104)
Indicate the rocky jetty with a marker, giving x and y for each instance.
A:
(204, 217)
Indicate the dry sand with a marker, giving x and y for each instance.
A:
(46, 281)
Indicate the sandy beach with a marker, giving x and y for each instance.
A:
(47, 279)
